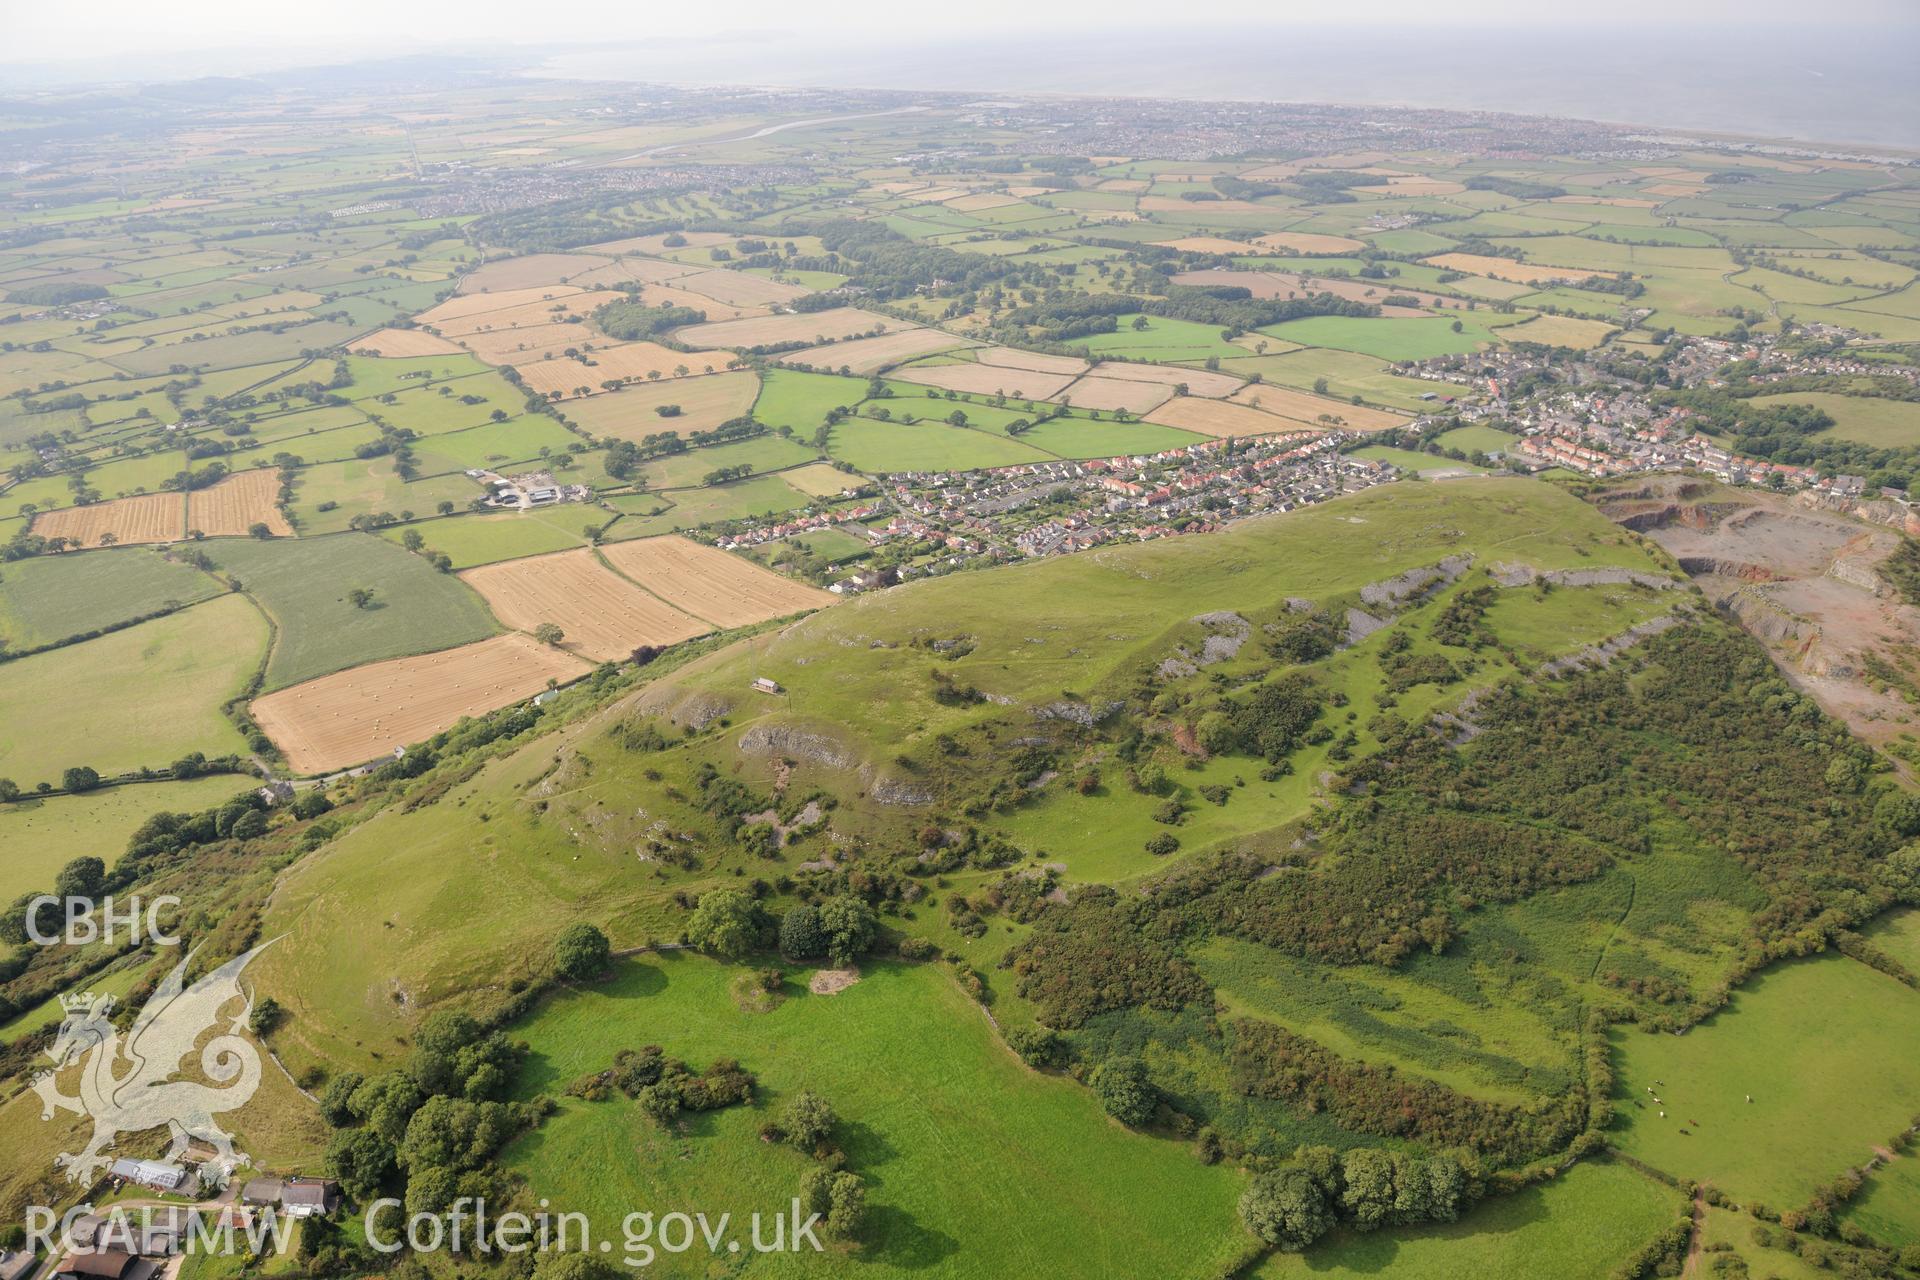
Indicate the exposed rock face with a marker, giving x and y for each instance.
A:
(892, 791)
(1361, 624)
(797, 744)
(1520, 575)
(1414, 583)
(1086, 715)
(1607, 650)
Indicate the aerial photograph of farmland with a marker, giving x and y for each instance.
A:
(1255, 642)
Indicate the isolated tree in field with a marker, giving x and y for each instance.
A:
(549, 634)
(1288, 1209)
(839, 1197)
(808, 1120)
(109, 538)
(581, 952)
(801, 936)
(9, 791)
(726, 922)
(848, 926)
(80, 778)
(360, 597)
(413, 540)
(1124, 1090)
(445, 508)
(258, 529)
(267, 1014)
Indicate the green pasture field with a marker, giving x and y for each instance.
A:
(792, 398)
(483, 539)
(143, 696)
(1480, 438)
(763, 453)
(1388, 338)
(832, 544)
(1829, 1051)
(45, 599)
(1167, 340)
(1869, 420)
(646, 514)
(496, 444)
(443, 407)
(377, 376)
(367, 486)
(1409, 460)
(1898, 934)
(1347, 373)
(1888, 1207)
(38, 836)
(880, 447)
(303, 584)
(1582, 1224)
(909, 1064)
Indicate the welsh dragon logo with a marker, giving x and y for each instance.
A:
(142, 1094)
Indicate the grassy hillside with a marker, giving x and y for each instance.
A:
(947, 1125)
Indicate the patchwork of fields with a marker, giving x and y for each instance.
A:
(1218, 839)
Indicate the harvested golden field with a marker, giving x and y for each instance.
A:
(1220, 418)
(1208, 244)
(739, 288)
(152, 517)
(1560, 331)
(709, 583)
(705, 403)
(666, 295)
(870, 355)
(232, 507)
(1199, 382)
(1477, 264)
(986, 379)
(1309, 242)
(529, 272)
(1305, 407)
(817, 326)
(1095, 392)
(365, 712)
(461, 308)
(604, 616)
(819, 480)
(537, 342)
(984, 200)
(528, 315)
(401, 343)
(635, 270)
(1412, 186)
(1014, 358)
(626, 360)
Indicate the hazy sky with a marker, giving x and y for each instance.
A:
(35, 30)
